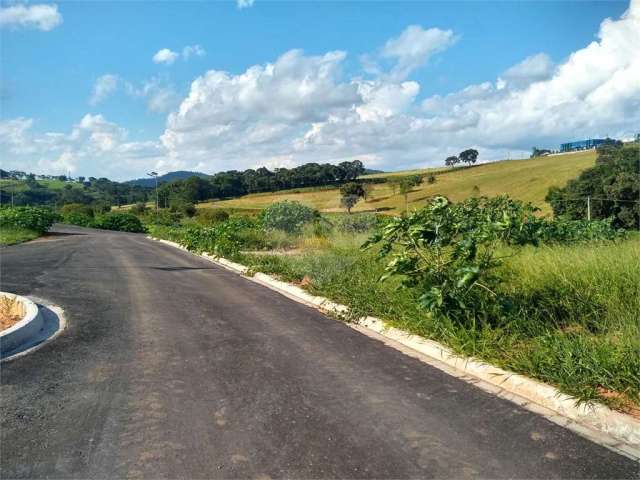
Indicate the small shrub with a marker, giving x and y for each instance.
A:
(211, 216)
(564, 230)
(359, 223)
(120, 221)
(78, 218)
(77, 214)
(139, 208)
(226, 238)
(79, 208)
(288, 216)
(164, 217)
(31, 218)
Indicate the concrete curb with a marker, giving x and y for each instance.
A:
(598, 423)
(27, 328)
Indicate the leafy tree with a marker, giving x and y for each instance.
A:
(451, 161)
(350, 194)
(613, 186)
(468, 156)
(406, 186)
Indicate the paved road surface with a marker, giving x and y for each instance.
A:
(172, 367)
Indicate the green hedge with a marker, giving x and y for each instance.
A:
(123, 222)
(32, 218)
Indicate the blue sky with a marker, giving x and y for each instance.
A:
(386, 79)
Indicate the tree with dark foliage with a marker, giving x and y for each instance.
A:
(350, 194)
(612, 188)
(469, 156)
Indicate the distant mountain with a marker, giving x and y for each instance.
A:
(371, 171)
(167, 177)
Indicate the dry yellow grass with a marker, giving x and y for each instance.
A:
(527, 180)
(11, 312)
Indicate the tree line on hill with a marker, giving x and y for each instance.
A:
(25, 189)
(29, 189)
(237, 183)
(610, 189)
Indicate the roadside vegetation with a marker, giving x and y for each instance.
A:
(468, 256)
(556, 299)
(20, 224)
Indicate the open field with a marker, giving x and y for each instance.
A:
(527, 180)
(20, 185)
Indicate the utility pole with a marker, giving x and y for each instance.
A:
(155, 175)
(589, 209)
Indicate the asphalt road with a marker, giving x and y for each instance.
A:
(172, 367)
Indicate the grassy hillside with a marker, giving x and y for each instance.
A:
(527, 180)
(20, 185)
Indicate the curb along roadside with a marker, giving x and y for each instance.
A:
(598, 423)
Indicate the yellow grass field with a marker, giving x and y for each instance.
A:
(527, 180)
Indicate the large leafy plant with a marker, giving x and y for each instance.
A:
(448, 252)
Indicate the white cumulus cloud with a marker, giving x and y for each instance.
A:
(303, 108)
(40, 16)
(165, 56)
(193, 51)
(413, 48)
(245, 3)
(104, 86)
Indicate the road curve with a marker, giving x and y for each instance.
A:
(173, 367)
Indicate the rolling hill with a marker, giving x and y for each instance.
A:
(527, 180)
(167, 177)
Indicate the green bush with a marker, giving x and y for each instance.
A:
(139, 208)
(80, 208)
(121, 221)
(564, 230)
(185, 208)
(78, 218)
(163, 217)
(32, 218)
(226, 238)
(77, 214)
(288, 216)
(211, 216)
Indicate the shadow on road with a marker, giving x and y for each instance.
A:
(178, 269)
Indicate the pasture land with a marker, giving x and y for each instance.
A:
(527, 180)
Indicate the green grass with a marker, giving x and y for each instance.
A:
(575, 308)
(15, 186)
(11, 236)
(527, 180)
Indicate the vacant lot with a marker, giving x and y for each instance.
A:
(527, 180)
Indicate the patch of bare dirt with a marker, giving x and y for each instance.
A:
(621, 401)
